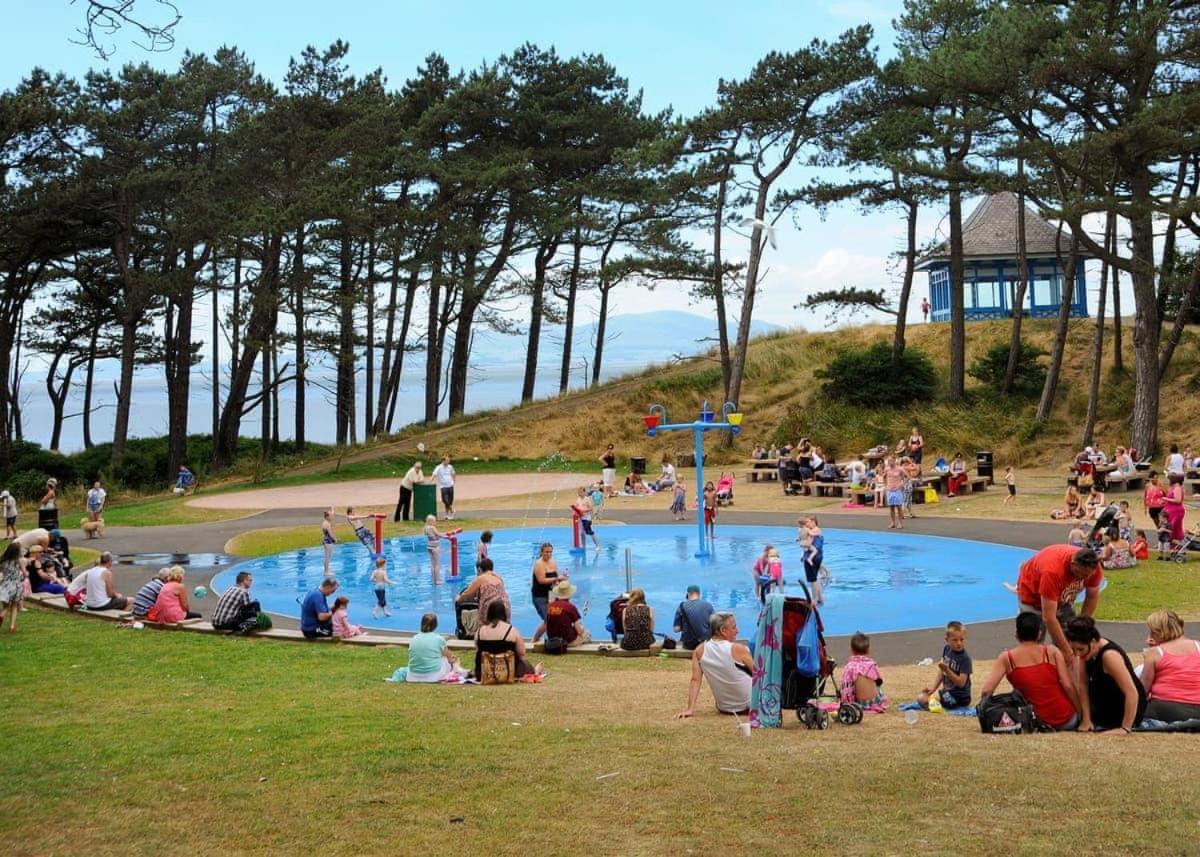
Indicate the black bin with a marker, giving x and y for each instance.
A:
(638, 465)
(984, 466)
(48, 519)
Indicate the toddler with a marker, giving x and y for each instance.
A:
(880, 488)
(1124, 520)
(1164, 537)
(434, 546)
(954, 671)
(1077, 537)
(341, 625)
(597, 500)
(482, 547)
(861, 681)
(379, 580)
(710, 510)
(1010, 479)
(679, 501)
(1140, 548)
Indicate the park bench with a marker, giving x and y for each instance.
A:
(831, 489)
(766, 469)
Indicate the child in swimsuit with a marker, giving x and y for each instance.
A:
(679, 502)
(379, 580)
(434, 546)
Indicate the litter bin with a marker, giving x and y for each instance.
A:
(984, 466)
(424, 500)
(638, 465)
(48, 519)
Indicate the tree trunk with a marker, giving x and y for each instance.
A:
(718, 285)
(1187, 301)
(88, 382)
(601, 329)
(130, 321)
(345, 355)
(410, 295)
(178, 370)
(461, 354)
(541, 261)
(369, 402)
(958, 329)
(738, 367)
(215, 344)
(299, 296)
(910, 262)
(57, 394)
(564, 371)
(433, 345)
(1046, 403)
(1147, 326)
(385, 369)
(1089, 423)
(264, 403)
(1118, 348)
(1018, 307)
(264, 315)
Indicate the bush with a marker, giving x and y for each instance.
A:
(27, 485)
(872, 379)
(31, 457)
(991, 366)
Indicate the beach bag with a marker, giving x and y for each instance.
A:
(497, 668)
(74, 599)
(931, 494)
(1007, 714)
(808, 648)
(470, 623)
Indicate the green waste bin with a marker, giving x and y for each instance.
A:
(424, 500)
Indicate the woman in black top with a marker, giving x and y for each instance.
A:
(638, 621)
(497, 636)
(1109, 691)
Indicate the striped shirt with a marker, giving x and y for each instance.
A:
(230, 605)
(146, 596)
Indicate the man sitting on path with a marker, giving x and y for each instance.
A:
(691, 619)
(235, 611)
(100, 592)
(726, 664)
(1048, 583)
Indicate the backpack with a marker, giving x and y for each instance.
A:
(829, 473)
(555, 646)
(1007, 714)
(497, 668)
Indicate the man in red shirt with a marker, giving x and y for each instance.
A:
(562, 617)
(1049, 581)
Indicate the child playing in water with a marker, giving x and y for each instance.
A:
(328, 540)
(861, 681)
(710, 509)
(434, 546)
(341, 625)
(586, 509)
(481, 548)
(679, 501)
(363, 534)
(597, 500)
(379, 580)
(954, 671)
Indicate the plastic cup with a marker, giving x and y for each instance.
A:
(910, 717)
(744, 728)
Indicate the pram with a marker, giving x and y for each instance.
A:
(800, 692)
(615, 622)
(1191, 541)
(725, 490)
(1104, 522)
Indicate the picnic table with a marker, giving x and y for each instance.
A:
(767, 468)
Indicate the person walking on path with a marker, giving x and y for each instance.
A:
(608, 471)
(443, 475)
(10, 514)
(925, 309)
(95, 501)
(411, 478)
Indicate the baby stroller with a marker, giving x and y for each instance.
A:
(801, 689)
(725, 490)
(1105, 522)
(615, 622)
(1191, 541)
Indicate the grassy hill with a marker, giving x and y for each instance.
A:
(781, 398)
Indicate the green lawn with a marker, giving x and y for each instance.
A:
(1133, 593)
(148, 742)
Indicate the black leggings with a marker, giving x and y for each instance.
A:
(1161, 709)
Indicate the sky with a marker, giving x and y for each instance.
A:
(675, 52)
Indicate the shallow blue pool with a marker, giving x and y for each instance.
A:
(882, 581)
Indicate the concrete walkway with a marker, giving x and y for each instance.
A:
(142, 550)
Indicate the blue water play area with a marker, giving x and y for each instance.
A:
(882, 581)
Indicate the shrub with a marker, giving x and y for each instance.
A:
(990, 368)
(28, 485)
(871, 378)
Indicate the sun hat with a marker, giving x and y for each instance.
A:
(693, 588)
(564, 589)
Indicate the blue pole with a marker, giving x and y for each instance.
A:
(702, 543)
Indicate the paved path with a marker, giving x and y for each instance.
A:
(384, 492)
(141, 550)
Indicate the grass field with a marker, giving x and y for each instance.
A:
(154, 742)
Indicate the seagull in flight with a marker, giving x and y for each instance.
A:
(766, 227)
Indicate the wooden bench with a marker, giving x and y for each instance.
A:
(830, 489)
(1124, 482)
(765, 468)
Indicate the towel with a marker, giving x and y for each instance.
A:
(767, 676)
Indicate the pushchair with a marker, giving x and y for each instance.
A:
(614, 623)
(1191, 541)
(1104, 522)
(801, 691)
(725, 490)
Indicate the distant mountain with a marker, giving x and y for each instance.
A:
(631, 340)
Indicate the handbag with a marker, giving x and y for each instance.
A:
(555, 646)
(931, 494)
(497, 668)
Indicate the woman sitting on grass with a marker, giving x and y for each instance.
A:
(429, 659)
(1071, 508)
(638, 621)
(496, 636)
(1040, 673)
(171, 605)
(1095, 503)
(1171, 669)
(42, 576)
(1117, 552)
(1110, 695)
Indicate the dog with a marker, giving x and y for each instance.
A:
(92, 529)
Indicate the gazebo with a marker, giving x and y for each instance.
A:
(990, 265)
